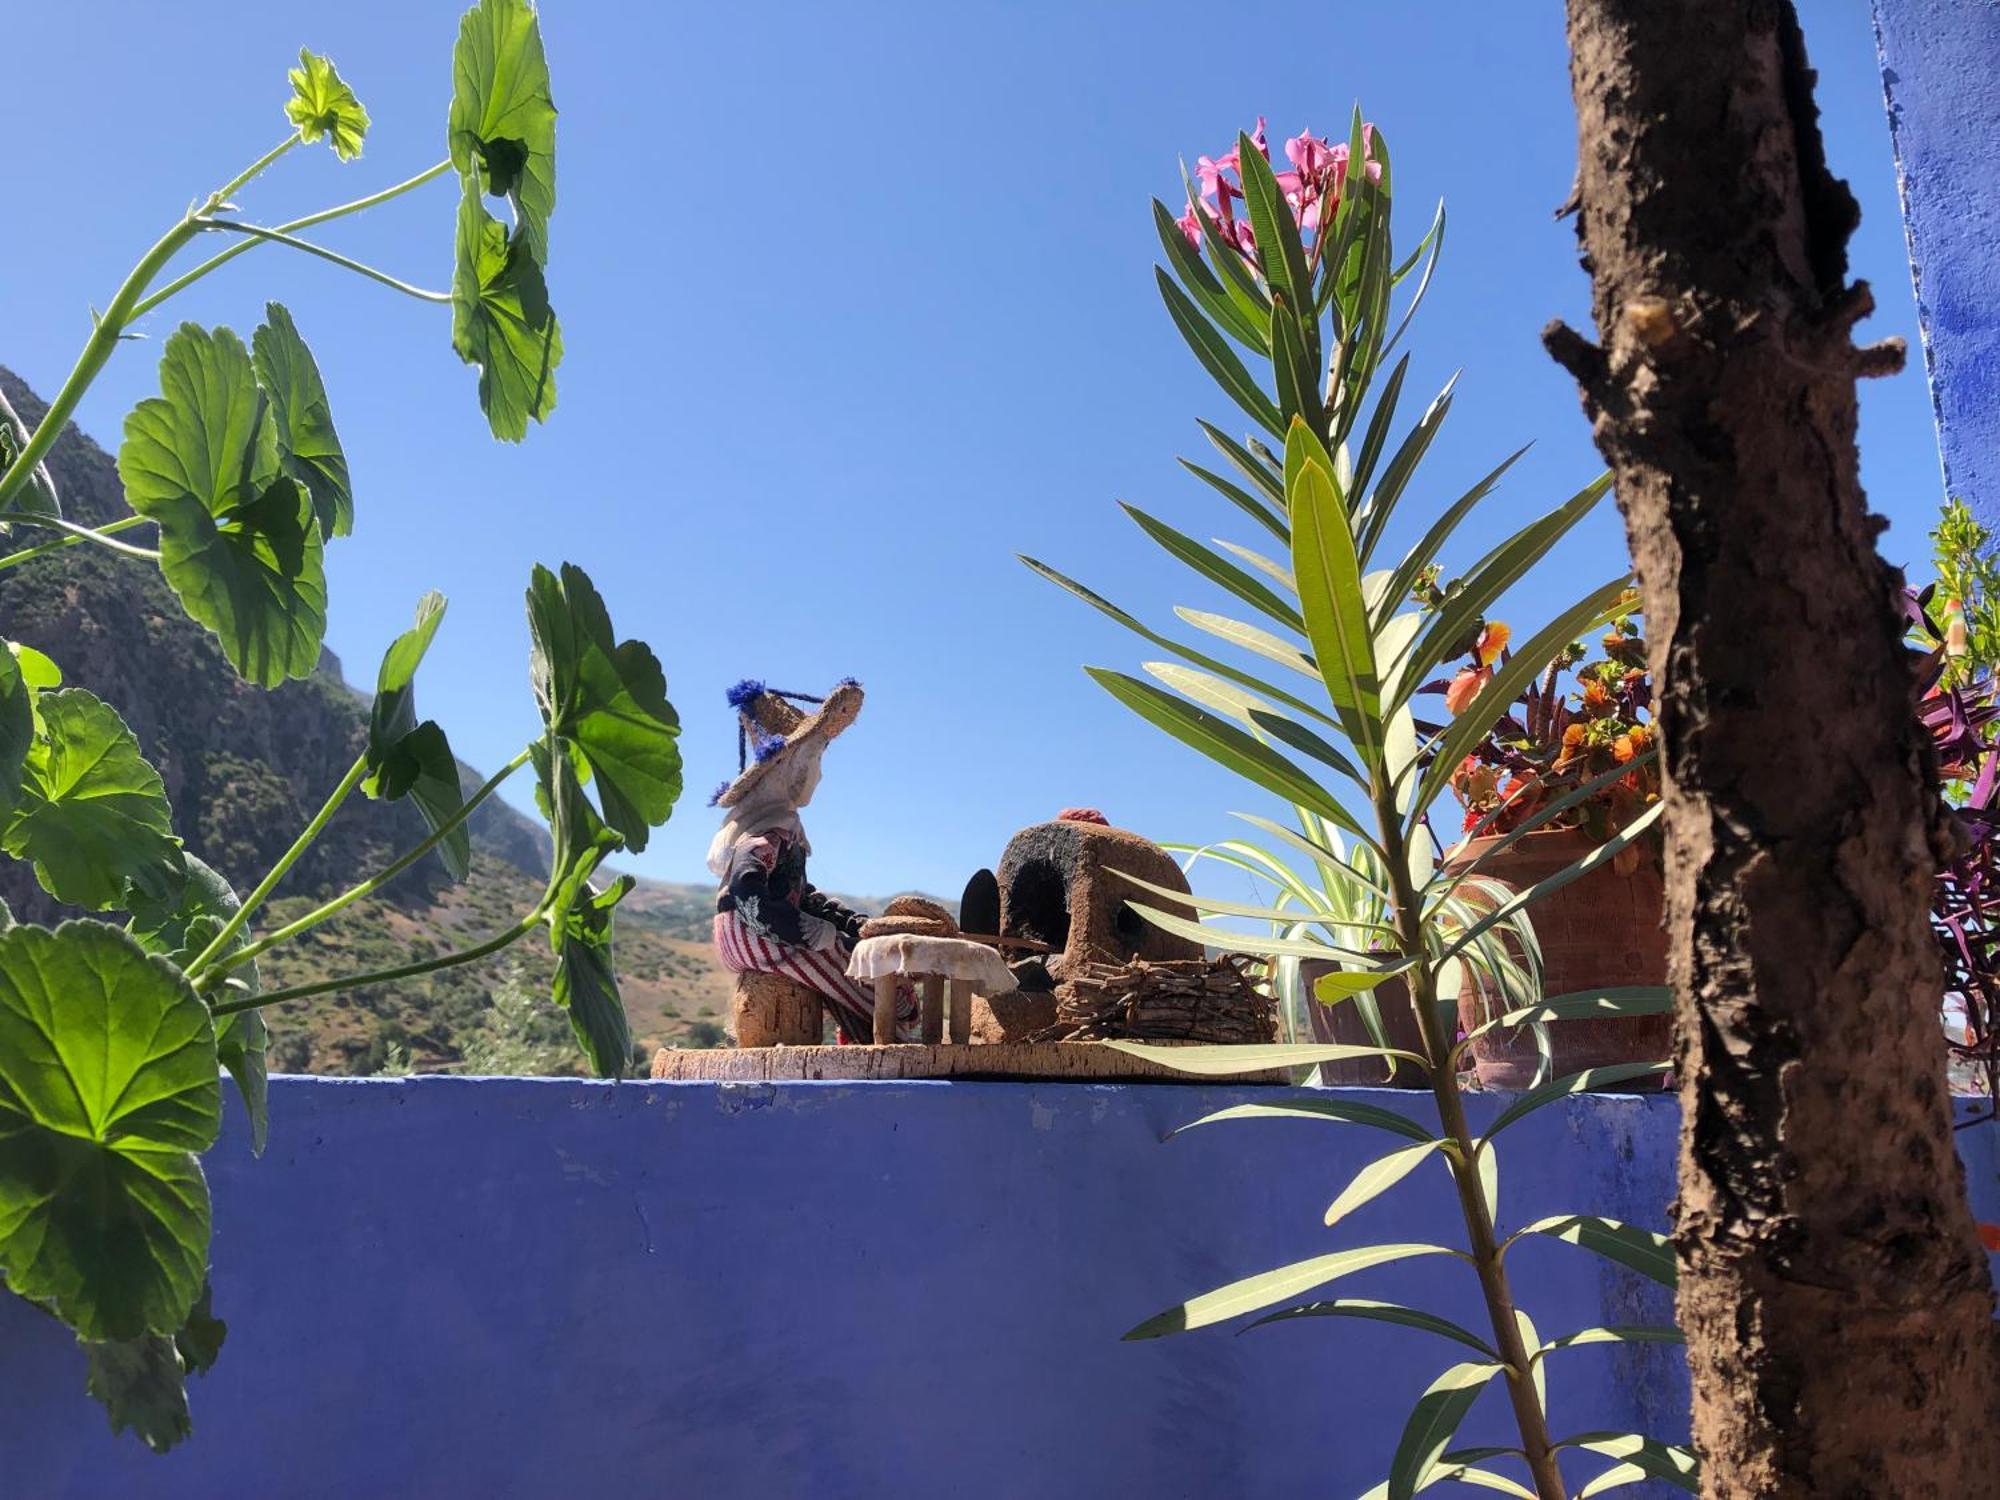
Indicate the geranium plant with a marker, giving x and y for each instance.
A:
(114, 1030)
(1297, 270)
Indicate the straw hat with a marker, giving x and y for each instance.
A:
(770, 723)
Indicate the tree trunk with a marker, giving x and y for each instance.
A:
(1835, 1296)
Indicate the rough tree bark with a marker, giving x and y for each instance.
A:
(1834, 1293)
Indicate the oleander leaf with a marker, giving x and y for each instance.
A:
(502, 126)
(502, 322)
(1433, 1422)
(1378, 1177)
(108, 1091)
(1255, 1293)
(1642, 1250)
(1615, 1333)
(91, 815)
(1380, 1312)
(308, 447)
(1650, 1457)
(1223, 1059)
(1309, 1107)
(607, 699)
(1221, 362)
(323, 107)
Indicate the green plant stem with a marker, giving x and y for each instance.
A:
(486, 949)
(1536, 1445)
(278, 871)
(374, 882)
(76, 535)
(110, 327)
(340, 210)
(257, 231)
(222, 193)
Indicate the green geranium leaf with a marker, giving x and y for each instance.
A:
(181, 927)
(143, 1382)
(17, 728)
(503, 122)
(239, 541)
(36, 497)
(408, 759)
(92, 815)
(323, 105)
(586, 983)
(581, 841)
(501, 321)
(608, 701)
(308, 447)
(108, 1090)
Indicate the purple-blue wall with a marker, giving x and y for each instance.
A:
(1941, 75)
(441, 1287)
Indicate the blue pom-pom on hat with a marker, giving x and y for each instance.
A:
(745, 692)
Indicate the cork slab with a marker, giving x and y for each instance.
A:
(1080, 1062)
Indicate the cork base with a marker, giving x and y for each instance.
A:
(1080, 1062)
(769, 1010)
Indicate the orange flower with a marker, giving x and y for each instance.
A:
(1574, 746)
(1492, 641)
(1624, 749)
(1596, 697)
(1465, 687)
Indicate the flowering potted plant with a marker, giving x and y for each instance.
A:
(1566, 766)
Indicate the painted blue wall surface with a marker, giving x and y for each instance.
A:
(441, 1287)
(1941, 74)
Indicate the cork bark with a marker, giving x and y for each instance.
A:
(1835, 1296)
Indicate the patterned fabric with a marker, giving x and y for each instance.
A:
(769, 920)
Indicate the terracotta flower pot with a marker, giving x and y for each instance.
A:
(1602, 930)
(1342, 1023)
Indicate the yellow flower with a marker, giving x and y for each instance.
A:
(1492, 641)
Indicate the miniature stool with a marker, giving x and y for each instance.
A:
(935, 962)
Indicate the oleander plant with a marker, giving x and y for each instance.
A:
(115, 1029)
(1295, 270)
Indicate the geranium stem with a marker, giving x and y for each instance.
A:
(257, 231)
(291, 856)
(374, 882)
(76, 535)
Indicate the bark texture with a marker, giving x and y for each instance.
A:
(1835, 1296)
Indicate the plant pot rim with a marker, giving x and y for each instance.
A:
(1465, 851)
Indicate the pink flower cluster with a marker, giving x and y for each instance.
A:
(1311, 186)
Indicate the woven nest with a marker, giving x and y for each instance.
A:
(1178, 1000)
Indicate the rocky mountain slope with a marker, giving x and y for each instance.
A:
(245, 768)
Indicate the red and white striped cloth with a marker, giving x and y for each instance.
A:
(745, 952)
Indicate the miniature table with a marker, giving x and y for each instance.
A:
(934, 962)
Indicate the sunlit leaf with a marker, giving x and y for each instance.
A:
(1219, 570)
(608, 699)
(1616, 1333)
(1380, 1312)
(1310, 1107)
(17, 728)
(1377, 1178)
(1651, 1457)
(308, 447)
(503, 121)
(182, 923)
(1222, 1060)
(1330, 597)
(324, 107)
(1255, 1293)
(92, 815)
(108, 1090)
(411, 759)
(1433, 1422)
(1642, 1250)
(501, 321)
(1573, 1083)
(1217, 357)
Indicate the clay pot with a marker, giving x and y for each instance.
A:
(1342, 1023)
(1602, 930)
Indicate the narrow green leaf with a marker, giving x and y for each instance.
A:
(1311, 1107)
(1402, 468)
(1265, 945)
(1241, 498)
(1615, 1333)
(1653, 1458)
(1202, 285)
(1255, 1293)
(1560, 1088)
(1293, 370)
(1404, 578)
(1642, 1250)
(1251, 638)
(1305, 741)
(1279, 246)
(1380, 1312)
(1336, 617)
(1378, 426)
(1602, 855)
(1216, 356)
(1377, 1178)
(1497, 699)
(1433, 1423)
(1497, 572)
(1433, 240)
(1261, 474)
(1593, 1005)
(1251, 591)
(1205, 1060)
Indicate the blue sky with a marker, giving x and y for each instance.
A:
(857, 302)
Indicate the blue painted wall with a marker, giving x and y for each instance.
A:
(1941, 75)
(440, 1287)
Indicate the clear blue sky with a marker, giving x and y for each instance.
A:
(858, 302)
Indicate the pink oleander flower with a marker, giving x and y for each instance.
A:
(1311, 187)
(1313, 155)
(1190, 226)
(1215, 187)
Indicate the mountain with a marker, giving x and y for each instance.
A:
(245, 768)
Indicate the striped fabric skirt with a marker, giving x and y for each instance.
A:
(745, 952)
